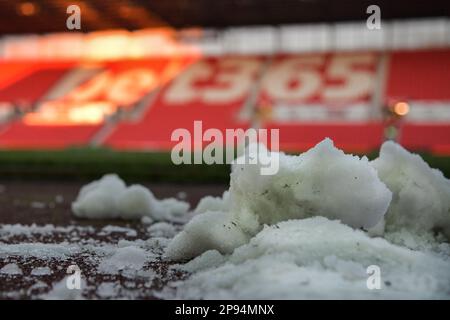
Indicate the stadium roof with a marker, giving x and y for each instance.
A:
(32, 16)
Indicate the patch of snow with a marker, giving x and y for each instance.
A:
(315, 258)
(421, 195)
(39, 250)
(109, 197)
(60, 291)
(116, 229)
(162, 229)
(41, 271)
(128, 259)
(10, 230)
(146, 220)
(108, 290)
(11, 269)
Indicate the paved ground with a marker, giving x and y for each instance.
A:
(49, 203)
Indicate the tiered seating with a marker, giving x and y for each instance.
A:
(20, 136)
(430, 137)
(308, 97)
(211, 90)
(75, 112)
(363, 137)
(332, 86)
(31, 88)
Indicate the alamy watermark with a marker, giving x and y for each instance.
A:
(374, 279)
(73, 21)
(191, 149)
(73, 281)
(374, 20)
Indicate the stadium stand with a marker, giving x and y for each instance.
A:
(32, 86)
(422, 78)
(306, 96)
(19, 135)
(211, 90)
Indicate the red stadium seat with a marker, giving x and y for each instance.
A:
(419, 75)
(350, 137)
(213, 91)
(429, 137)
(21, 136)
(33, 87)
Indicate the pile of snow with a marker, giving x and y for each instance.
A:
(109, 197)
(314, 258)
(11, 269)
(421, 195)
(323, 181)
(270, 237)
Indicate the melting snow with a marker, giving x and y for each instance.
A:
(109, 197)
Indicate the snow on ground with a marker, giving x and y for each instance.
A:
(11, 269)
(298, 255)
(314, 258)
(113, 263)
(109, 197)
(313, 230)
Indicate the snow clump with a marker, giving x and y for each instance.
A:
(323, 181)
(109, 197)
(421, 195)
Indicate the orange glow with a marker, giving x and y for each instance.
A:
(130, 86)
(401, 108)
(27, 9)
(124, 89)
(63, 113)
(102, 95)
(92, 89)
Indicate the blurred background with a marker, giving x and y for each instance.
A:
(107, 96)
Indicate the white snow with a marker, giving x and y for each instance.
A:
(11, 230)
(270, 237)
(207, 231)
(292, 235)
(109, 197)
(116, 229)
(323, 181)
(107, 290)
(60, 291)
(60, 251)
(210, 203)
(315, 258)
(41, 271)
(421, 195)
(130, 258)
(11, 269)
(162, 229)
